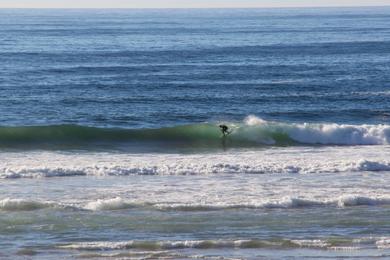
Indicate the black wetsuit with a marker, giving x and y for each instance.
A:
(224, 129)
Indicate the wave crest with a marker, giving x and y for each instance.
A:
(118, 203)
(379, 242)
(9, 204)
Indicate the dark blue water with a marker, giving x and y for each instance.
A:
(153, 68)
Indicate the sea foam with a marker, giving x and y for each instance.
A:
(196, 168)
(379, 242)
(336, 134)
(118, 203)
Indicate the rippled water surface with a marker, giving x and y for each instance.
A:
(110, 146)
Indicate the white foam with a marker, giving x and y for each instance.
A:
(383, 243)
(291, 202)
(283, 203)
(373, 166)
(291, 160)
(108, 204)
(118, 203)
(168, 245)
(337, 177)
(10, 204)
(24, 172)
(188, 167)
(205, 244)
(311, 243)
(254, 121)
(334, 134)
(356, 200)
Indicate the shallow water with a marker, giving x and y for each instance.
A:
(198, 215)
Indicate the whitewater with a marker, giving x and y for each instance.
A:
(202, 190)
(269, 160)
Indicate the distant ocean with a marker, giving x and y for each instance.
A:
(110, 146)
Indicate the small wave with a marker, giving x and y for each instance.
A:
(118, 203)
(109, 204)
(9, 204)
(155, 254)
(327, 244)
(371, 166)
(314, 243)
(283, 203)
(8, 173)
(169, 245)
(355, 200)
(253, 132)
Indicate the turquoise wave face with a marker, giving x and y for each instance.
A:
(73, 136)
(196, 135)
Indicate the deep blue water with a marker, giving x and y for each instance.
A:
(153, 68)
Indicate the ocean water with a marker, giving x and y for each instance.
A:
(110, 147)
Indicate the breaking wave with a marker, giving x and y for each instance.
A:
(196, 168)
(282, 203)
(330, 244)
(22, 205)
(117, 203)
(252, 132)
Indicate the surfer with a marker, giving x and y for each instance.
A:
(224, 130)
